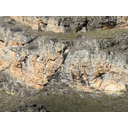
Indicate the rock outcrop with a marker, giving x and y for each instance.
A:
(90, 64)
(72, 23)
(32, 59)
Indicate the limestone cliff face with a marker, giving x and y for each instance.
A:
(72, 23)
(84, 63)
(91, 66)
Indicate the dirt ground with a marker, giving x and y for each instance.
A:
(68, 101)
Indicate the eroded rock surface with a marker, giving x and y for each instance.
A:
(33, 60)
(72, 23)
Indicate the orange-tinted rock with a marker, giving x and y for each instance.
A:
(83, 63)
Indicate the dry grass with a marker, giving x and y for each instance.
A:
(92, 34)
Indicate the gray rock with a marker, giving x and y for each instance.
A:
(72, 23)
(79, 65)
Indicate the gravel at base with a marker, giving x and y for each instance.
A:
(30, 108)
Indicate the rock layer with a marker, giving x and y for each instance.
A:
(72, 23)
(84, 63)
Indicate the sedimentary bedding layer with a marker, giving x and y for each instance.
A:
(72, 23)
(33, 60)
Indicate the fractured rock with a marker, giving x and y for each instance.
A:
(33, 60)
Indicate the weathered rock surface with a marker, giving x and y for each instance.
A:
(33, 60)
(72, 23)
(91, 64)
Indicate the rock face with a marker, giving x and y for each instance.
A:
(33, 60)
(90, 65)
(72, 23)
